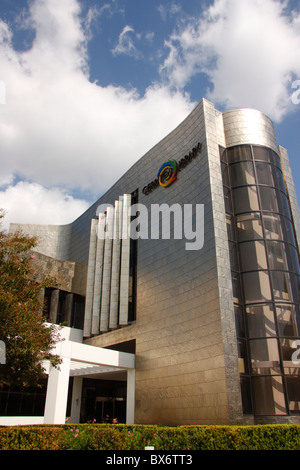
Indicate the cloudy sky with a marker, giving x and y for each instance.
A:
(88, 86)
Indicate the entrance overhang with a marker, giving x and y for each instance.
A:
(78, 360)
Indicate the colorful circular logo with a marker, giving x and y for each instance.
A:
(167, 173)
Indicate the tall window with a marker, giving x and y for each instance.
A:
(265, 276)
(132, 270)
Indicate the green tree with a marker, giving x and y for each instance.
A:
(28, 340)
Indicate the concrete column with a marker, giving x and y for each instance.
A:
(115, 270)
(98, 275)
(125, 257)
(76, 400)
(105, 298)
(54, 306)
(130, 400)
(90, 281)
(57, 393)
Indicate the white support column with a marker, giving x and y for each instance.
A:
(105, 299)
(125, 257)
(76, 400)
(130, 400)
(57, 393)
(98, 275)
(90, 280)
(115, 270)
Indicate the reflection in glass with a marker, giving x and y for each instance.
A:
(242, 357)
(273, 226)
(278, 178)
(287, 320)
(268, 199)
(266, 267)
(290, 236)
(265, 154)
(256, 286)
(239, 321)
(284, 207)
(236, 287)
(264, 173)
(293, 393)
(260, 321)
(264, 356)
(281, 285)
(277, 255)
(245, 199)
(269, 395)
(252, 255)
(242, 174)
(294, 260)
(249, 226)
(227, 200)
(239, 153)
(225, 174)
(230, 227)
(233, 256)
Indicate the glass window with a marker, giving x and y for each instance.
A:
(281, 285)
(239, 153)
(268, 199)
(249, 226)
(236, 287)
(227, 199)
(242, 357)
(290, 235)
(242, 174)
(256, 286)
(293, 256)
(260, 321)
(252, 255)
(277, 255)
(246, 395)
(278, 178)
(230, 227)
(283, 204)
(245, 199)
(287, 320)
(293, 393)
(225, 174)
(239, 321)
(264, 356)
(265, 154)
(269, 396)
(264, 173)
(273, 226)
(223, 154)
(233, 256)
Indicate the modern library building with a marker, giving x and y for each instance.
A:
(180, 285)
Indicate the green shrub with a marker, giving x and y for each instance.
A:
(30, 438)
(137, 437)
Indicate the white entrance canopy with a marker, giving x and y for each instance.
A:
(78, 360)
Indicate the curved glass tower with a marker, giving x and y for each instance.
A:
(265, 278)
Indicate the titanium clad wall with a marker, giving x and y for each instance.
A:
(53, 240)
(249, 126)
(184, 298)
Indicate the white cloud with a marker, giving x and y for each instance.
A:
(31, 203)
(125, 44)
(59, 129)
(249, 50)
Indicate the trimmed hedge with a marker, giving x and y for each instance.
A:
(136, 437)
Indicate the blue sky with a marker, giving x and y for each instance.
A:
(87, 87)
